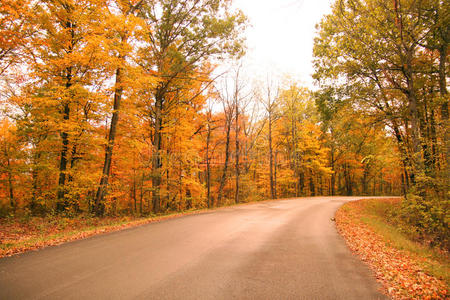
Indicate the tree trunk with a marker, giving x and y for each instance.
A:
(443, 81)
(403, 184)
(275, 175)
(208, 168)
(413, 111)
(374, 185)
(10, 184)
(101, 191)
(227, 158)
(321, 185)
(312, 189)
(301, 183)
(444, 106)
(298, 188)
(134, 193)
(333, 174)
(294, 154)
(156, 159)
(348, 181)
(73, 159)
(62, 203)
(381, 183)
(426, 138)
(34, 175)
(364, 181)
(409, 176)
(272, 189)
(141, 195)
(236, 157)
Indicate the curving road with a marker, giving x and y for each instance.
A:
(285, 249)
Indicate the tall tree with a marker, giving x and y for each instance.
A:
(67, 57)
(395, 78)
(9, 156)
(228, 111)
(123, 23)
(181, 34)
(270, 104)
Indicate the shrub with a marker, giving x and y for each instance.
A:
(425, 218)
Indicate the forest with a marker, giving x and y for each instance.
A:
(122, 107)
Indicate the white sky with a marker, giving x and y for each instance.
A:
(280, 38)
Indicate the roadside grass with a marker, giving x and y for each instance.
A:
(434, 260)
(406, 268)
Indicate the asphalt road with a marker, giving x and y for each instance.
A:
(286, 249)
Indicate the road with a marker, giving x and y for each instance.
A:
(285, 249)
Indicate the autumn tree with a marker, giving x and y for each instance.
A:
(181, 35)
(211, 126)
(270, 103)
(394, 78)
(10, 152)
(66, 71)
(121, 25)
(114, 107)
(15, 31)
(226, 98)
(384, 57)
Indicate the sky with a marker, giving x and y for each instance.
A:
(281, 35)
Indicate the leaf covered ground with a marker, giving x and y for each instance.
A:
(406, 269)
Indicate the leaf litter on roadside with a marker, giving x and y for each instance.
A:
(399, 271)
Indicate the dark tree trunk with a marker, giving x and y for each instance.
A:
(374, 186)
(272, 187)
(227, 158)
(443, 81)
(444, 105)
(298, 188)
(134, 193)
(348, 181)
(62, 203)
(34, 176)
(321, 185)
(427, 155)
(101, 191)
(294, 155)
(208, 169)
(381, 184)
(333, 174)
(236, 157)
(301, 182)
(414, 114)
(364, 181)
(73, 159)
(141, 195)
(156, 159)
(312, 188)
(10, 183)
(409, 176)
(434, 142)
(275, 175)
